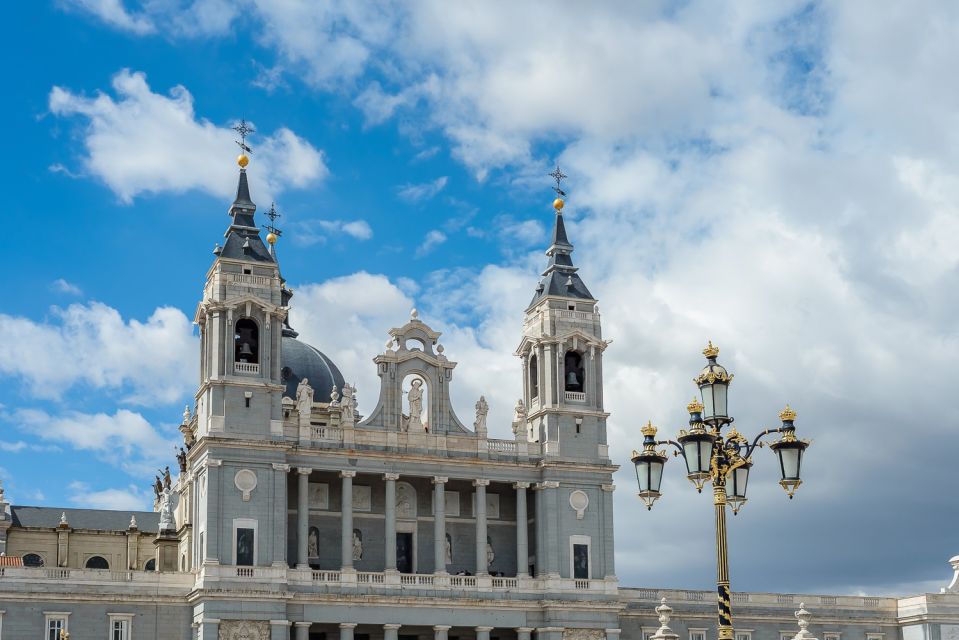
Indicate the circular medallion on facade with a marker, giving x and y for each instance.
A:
(578, 500)
(245, 481)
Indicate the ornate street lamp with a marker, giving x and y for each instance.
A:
(724, 460)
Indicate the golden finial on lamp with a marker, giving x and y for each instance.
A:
(787, 414)
(649, 429)
(711, 351)
(695, 406)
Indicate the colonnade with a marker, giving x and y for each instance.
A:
(439, 522)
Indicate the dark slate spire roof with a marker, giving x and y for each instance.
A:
(243, 237)
(560, 278)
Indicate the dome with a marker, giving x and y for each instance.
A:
(301, 360)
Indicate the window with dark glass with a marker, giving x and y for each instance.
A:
(533, 377)
(97, 562)
(244, 547)
(32, 560)
(581, 561)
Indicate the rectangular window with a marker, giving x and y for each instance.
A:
(244, 546)
(119, 629)
(55, 624)
(830, 636)
(699, 634)
(787, 635)
(581, 561)
(744, 635)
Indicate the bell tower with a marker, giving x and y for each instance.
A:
(562, 354)
(241, 320)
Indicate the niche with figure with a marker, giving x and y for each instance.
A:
(246, 339)
(416, 407)
(575, 375)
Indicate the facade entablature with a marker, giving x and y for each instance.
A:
(577, 339)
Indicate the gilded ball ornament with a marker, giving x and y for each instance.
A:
(558, 204)
(271, 238)
(243, 160)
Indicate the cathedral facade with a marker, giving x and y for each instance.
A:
(290, 516)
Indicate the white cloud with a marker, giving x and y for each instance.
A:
(422, 191)
(115, 14)
(130, 498)
(145, 142)
(310, 232)
(92, 344)
(359, 229)
(62, 286)
(433, 239)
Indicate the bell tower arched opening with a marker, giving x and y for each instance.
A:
(575, 377)
(533, 377)
(246, 341)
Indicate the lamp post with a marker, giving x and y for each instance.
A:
(723, 459)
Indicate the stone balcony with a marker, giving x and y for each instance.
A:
(40, 579)
(772, 600)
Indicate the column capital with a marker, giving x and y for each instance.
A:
(548, 484)
(302, 624)
(484, 629)
(442, 627)
(279, 466)
(391, 476)
(613, 632)
(392, 626)
(280, 623)
(213, 462)
(521, 485)
(481, 482)
(609, 487)
(304, 471)
(440, 479)
(525, 629)
(348, 625)
(348, 474)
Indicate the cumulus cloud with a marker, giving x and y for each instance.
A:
(130, 498)
(135, 143)
(113, 13)
(62, 286)
(422, 191)
(91, 344)
(311, 232)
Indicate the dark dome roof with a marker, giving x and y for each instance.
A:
(301, 360)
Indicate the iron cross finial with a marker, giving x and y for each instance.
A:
(244, 130)
(273, 214)
(558, 176)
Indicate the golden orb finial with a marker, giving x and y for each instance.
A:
(271, 238)
(243, 160)
(787, 414)
(649, 429)
(695, 406)
(558, 204)
(711, 351)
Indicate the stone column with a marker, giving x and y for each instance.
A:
(213, 525)
(608, 555)
(522, 633)
(439, 531)
(281, 500)
(302, 516)
(391, 479)
(482, 633)
(346, 517)
(441, 632)
(482, 567)
(280, 629)
(302, 630)
(522, 543)
(391, 631)
(346, 628)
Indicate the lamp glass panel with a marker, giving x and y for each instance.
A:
(655, 475)
(642, 474)
(694, 460)
(789, 459)
(707, 391)
(736, 485)
(719, 399)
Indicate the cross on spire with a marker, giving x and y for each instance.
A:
(244, 130)
(273, 214)
(558, 175)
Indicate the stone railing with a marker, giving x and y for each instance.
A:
(247, 280)
(761, 599)
(326, 434)
(501, 446)
(395, 580)
(575, 396)
(246, 368)
(65, 577)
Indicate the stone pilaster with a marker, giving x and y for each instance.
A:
(281, 503)
(390, 527)
(439, 528)
(302, 517)
(482, 566)
(346, 518)
(522, 543)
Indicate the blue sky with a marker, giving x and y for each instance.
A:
(780, 179)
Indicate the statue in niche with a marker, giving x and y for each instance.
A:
(304, 398)
(482, 408)
(449, 549)
(357, 544)
(313, 543)
(415, 398)
(166, 510)
(346, 402)
(490, 555)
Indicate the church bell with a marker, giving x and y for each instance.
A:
(571, 379)
(245, 349)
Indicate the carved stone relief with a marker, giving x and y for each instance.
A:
(319, 495)
(583, 634)
(362, 498)
(492, 505)
(244, 630)
(405, 501)
(452, 504)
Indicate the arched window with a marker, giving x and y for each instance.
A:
(575, 378)
(533, 377)
(32, 560)
(151, 565)
(97, 562)
(246, 341)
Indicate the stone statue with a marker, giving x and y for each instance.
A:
(346, 403)
(449, 549)
(181, 459)
(490, 555)
(519, 416)
(664, 612)
(304, 398)
(415, 397)
(133, 522)
(313, 544)
(357, 544)
(186, 414)
(334, 396)
(63, 519)
(1, 492)
(482, 408)
(166, 510)
(167, 480)
(157, 486)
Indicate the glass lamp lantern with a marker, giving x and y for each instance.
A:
(713, 382)
(649, 467)
(736, 486)
(790, 451)
(697, 446)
